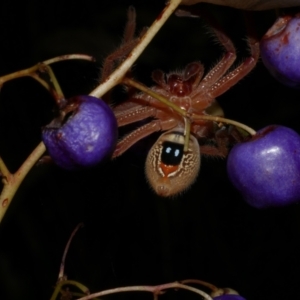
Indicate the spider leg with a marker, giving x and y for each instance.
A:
(193, 72)
(218, 80)
(220, 148)
(224, 64)
(142, 132)
(130, 25)
(159, 77)
(133, 114)
(230, 79)
(224, 138)
(128, 43)
(113, 58)
(138, 109)
(207, 86)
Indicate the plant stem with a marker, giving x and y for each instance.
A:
(187, 133)
(56, 89)
(4, 172)
(14, 180)
(68, 57)
(18, 74)
(196, 281)
(116, 77)
(183, 112)
(248, 129)
(39, 66)
(58, 287)
(151, 289)
(41, 81)
(151, 93)
(62, 265)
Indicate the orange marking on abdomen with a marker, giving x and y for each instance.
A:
(168, 169)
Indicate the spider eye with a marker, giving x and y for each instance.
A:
(169, 169)
(178, 86)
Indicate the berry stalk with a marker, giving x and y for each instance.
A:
(156, 290)
(183, 112)
(13, 181)
(40, 67)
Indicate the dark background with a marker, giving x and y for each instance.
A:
(131, 236)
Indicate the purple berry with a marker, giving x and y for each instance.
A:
(229, 297)
(266, 169)
(84, 135)
(280, 50)
(226, 294)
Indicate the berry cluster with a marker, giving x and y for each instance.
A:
(266, 169)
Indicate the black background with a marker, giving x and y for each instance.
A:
(131, 236)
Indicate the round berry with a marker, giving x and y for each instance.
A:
(229, 297)
(266, 169)
(226, 294)
(84, 135)
(280, 51)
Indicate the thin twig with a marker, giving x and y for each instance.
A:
(248, 129)
(56, 90)
(151, 289)
(184, 113)
(12, 185)
(41, 81)
(13, 181)
(68, 57)
(4, 172)
(201, 282)
(58, 287)
(62, 265)
(155, 95)
(187, 133)
(35, 68)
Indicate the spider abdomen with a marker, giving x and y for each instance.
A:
(169, 169)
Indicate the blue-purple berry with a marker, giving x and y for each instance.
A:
(280, 50)
(229, 297)
(266, 169)
(84, 135)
